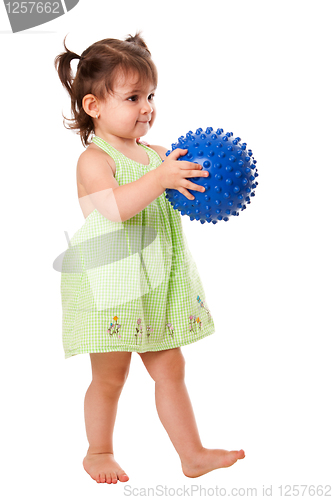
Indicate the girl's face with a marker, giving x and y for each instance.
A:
(129, 112)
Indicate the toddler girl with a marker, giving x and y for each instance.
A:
(129, 282)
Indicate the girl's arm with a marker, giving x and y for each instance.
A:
(120, 203)
(116, 203)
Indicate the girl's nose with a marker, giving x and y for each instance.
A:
(147, 108)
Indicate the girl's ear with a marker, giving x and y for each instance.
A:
(90, 105)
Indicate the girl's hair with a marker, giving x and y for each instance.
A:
(96, 72)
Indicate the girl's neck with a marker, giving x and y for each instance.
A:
(128, 147)
(119, 143)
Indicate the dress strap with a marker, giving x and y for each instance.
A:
(110, 150)
(155, 159)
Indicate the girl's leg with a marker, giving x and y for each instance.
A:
(109, 373)
(167, 368)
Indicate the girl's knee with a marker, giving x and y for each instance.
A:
(113, 381)
(165, 365)
(110, 369)
(177, 370)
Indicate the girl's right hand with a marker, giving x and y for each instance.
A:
(173, 174)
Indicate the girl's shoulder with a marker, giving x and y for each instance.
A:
(160, 150)
(93, 153)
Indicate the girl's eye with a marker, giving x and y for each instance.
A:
(134, 98)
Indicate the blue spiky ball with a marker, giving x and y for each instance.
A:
(231, 181)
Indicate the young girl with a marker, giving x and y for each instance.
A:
(133, 285)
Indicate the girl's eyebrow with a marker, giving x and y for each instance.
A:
(137, 91)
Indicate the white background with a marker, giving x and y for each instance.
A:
(263, 380)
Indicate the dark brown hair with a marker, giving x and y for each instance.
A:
(96, 73)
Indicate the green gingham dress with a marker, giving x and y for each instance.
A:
(132, 285)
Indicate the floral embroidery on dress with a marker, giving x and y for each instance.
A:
(138, 331)
(195, 325)
(194, 321)
(114, 327)
(202, 304)
(171, 332)
(149, 330)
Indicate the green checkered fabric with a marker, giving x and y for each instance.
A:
(132, 285)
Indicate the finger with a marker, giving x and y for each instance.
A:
(187, 164)
(176, 153)
(186, 193)
(194, 187)
(195, 173)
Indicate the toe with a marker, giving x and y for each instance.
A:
(234, 456)
(102, 476)
(108, 478)
(123, 476)
(114, 477)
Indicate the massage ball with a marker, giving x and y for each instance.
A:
(231, 182)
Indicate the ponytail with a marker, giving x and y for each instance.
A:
(62, 64)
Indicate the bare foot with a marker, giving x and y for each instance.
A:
(208, 460)
(103, 468)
